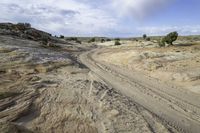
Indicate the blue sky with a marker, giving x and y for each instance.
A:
(113, 18)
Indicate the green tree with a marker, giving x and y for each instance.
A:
(170, 38)
(144, 36)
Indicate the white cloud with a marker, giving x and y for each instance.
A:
(89, 17)
(138, 8)
(58, 16)
(162, 30)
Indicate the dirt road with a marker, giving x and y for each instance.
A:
(176, 109)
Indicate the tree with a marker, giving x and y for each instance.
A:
(170, 38)
(144, 36)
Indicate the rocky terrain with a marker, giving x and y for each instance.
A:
(54, 85)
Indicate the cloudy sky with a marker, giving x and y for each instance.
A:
(114, 18)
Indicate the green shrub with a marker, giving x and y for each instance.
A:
(78, 41)
(170, 38)
(117, 43)
(144, 36)
(73, 39)
(148, 39)
(102, 40)
(61, 36)
(108, 39)
(92, 40)
(161, 43)
(117, 39)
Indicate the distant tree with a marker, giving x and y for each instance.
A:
(170, 38)
(144, 36)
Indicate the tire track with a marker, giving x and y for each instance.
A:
(175, 113)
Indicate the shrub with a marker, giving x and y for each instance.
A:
(102, 40)
(28, 25)
(144, 36)
(117, 39)
(78, 41)
(72, 39)
(92, 40)
(170, 38)
(148, 39)
(61, 36)
(108, 39)
(161, 43)
(117, 43)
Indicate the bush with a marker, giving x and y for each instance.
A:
(148, 39)
(61, 36)
(117, 43)
(170, 38)
(102, 40)
(92, 40)
(73, 39)
(78, 41)
(144, 36)
(117, 39)
(161, 43)
(108, 39)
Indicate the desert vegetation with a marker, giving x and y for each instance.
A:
(102, 40)
(62, 37)
(117, 43)
(169, 39)
(92, 40)
(144, 36)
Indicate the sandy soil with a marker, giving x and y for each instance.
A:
(178, 65)
(167, 101)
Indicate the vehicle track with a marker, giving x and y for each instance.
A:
(184, 115)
